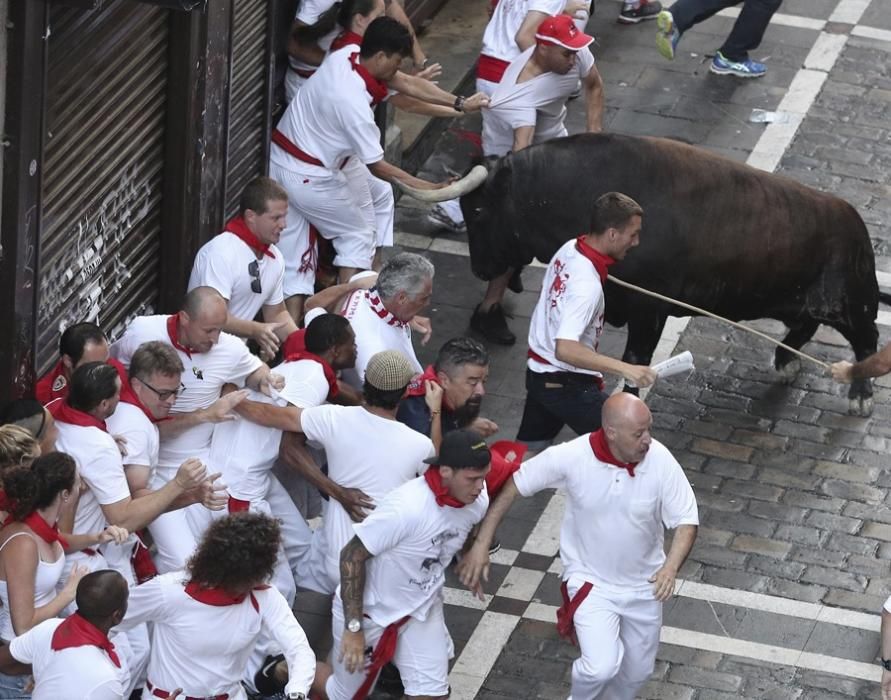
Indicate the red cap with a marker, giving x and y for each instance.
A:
(561, 30)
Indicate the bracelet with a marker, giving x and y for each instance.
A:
(459, 103)
(435, 412)
(424, 63)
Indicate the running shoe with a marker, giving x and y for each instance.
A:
(632, 14)
(741, 69)
(668, 36)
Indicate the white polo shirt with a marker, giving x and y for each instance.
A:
(613, 528)
(413, 540)
(540, 102)
(330, 119)
(85, 672)
(570, 307)
(373, 335)
(500, 37)
(99, 464)
(222, 263)
(309, 12)
(245, 451)
(203, 649)
(364, 452)
(229, 361)
(141, 435)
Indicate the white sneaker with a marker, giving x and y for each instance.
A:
(448, 215)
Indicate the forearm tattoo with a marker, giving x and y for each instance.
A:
(352, 578)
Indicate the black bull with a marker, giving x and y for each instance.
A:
(717, 234)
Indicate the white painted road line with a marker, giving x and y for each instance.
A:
(784, 20)
(872, 33)
(849, 11)
(480, 654)
(545, 537)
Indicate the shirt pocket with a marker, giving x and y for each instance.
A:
(642, 510)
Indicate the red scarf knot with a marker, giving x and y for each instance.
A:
(173, 334)
(64, 413)
(599, 260)
(374, 301)
(210, 595)
(376, 88)
(344, 38)
(330, 376)
(76, 631)
(238, 226)
(440, 492)
(604, 454)
(48, 533)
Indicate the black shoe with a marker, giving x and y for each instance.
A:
(264, 679)
(648, 9)
(492, 325)
(516, 281)
(494, 547)
(390, 682)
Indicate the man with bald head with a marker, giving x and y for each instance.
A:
(210, 358)
(623, 489)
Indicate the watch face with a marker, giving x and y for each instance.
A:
(354, 625)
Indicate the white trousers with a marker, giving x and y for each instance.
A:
(618, 635)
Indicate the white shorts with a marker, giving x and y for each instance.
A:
(301, 260)
(422, 655)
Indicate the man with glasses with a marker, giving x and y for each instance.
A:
(245, 265)
(146, 399)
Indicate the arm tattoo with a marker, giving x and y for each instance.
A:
(352, 578)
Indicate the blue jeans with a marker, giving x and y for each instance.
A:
(13, 687)
(747, 30)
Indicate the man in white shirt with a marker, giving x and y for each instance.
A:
(212, 359)
(244, 264)
(330, 122)
(564, 380)
(623, 489)
(209, 617)
(392, 573)
(73, 658)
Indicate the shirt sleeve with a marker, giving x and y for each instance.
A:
(104, 474)
(413, 412)
(281, 625)
(138, 453)
(365, 138)
(544, 471)
(577, 308)
(277, 295)
(678, 500)
(124, 347)
(22, 647)
(385, 527)
(146, 603)
(308, 390)
(317, 423)
(585, 62)
(212, 270)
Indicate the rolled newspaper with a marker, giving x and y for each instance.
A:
(673, 365)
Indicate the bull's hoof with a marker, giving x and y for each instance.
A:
(790, 370)
(860, 406)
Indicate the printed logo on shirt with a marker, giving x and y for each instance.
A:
(59, 383)
(558, 287)
(198, 373)
(431, 570)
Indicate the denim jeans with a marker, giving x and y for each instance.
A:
(747, 30)
(13, 687)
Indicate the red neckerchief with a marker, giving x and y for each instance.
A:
(173, 333)
(62, 412)
(76, 631)
(48, 533)
(600, 260)
(376, 88)
(374, 301)
(443, 498)
(295, 342)
(604, 454)
(417, 388)
(52, 385)
(237, 225)
(333, 390)
(128, 395)
(344, 38)
(217, 596)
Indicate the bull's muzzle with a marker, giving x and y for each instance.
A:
(468, 183)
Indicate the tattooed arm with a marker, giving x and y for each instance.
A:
(352, 589)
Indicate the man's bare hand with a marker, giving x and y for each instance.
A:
(476, 102)
(484, 426)
(473, 568)
(356, 503)
(433, 395)
(576, 8)
(113, 533)
(842, 371)
(640, 375)
(212, 493)
(663, 583)
(431, 72)
(352, 651)
(422, 325)
(266, 336)
(220, 410)
(190, 474)
(272, 382)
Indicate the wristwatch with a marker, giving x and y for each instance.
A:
(296, 696)
(354, 625)
(886, 664)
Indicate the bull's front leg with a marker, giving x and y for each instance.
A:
(864, 340)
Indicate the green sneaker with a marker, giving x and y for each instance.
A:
(668, 36)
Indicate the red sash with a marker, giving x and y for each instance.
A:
(237, 505)
(566, 612)
(490, 68)
(237, 226)
(76, 631)
(383, 653)
(141, 560)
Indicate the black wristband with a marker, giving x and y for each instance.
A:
(459, 103)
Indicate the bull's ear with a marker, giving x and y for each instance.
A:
(468, 183)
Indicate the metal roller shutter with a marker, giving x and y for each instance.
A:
(248, 101)
(106, 107)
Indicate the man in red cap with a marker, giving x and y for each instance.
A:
(529, 106)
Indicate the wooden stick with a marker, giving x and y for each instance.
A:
(690, 307)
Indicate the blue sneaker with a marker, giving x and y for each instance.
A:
(741, 69)
(668, 35)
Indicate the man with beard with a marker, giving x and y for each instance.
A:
(449, 394)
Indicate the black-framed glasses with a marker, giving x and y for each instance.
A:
(166, 393)
(254, 272)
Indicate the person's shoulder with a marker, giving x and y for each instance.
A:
(233, 345)
(147, 325)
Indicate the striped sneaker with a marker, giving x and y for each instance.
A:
(741, 69)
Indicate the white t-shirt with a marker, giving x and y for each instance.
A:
(222, 263)
(85, 672)
(613, 528)
(99, 464)
(229, 361)
(203, 648)
(245, 451)
(499, 39)
(373, 335)
(364, 452)
(540, 102)
(141, 435)
(330, 119)
(413, 540)
(570, 307)
(309, 12)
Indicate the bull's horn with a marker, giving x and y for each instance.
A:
(466, 184)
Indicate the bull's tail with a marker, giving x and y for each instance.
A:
(885, 298)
